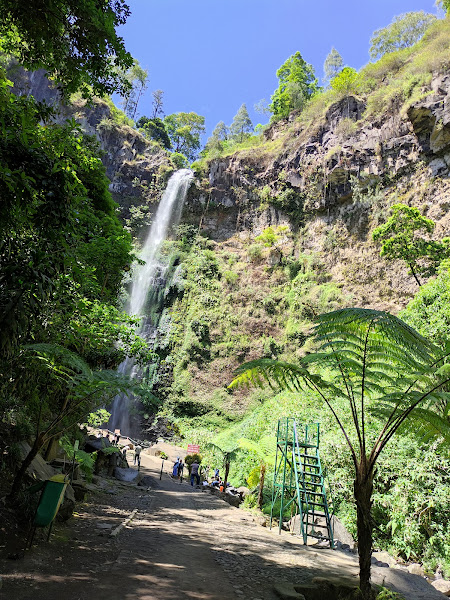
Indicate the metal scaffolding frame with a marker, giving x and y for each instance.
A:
(299, 482)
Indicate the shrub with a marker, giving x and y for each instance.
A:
(268, 237)
(255, 253)
(179, 160)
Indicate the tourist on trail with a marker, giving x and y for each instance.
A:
(194, 473)
(137, 455)
(180, 468)
(124, 451)
(216, 473)
(175, 468)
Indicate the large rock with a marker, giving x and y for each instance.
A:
(321, 588)
(341, 533)
(39, 470)
(443, 586)
(147, 481)
(125, 474)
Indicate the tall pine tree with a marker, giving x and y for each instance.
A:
(241, 124)
(332, 66)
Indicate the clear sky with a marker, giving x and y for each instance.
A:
(210, 56)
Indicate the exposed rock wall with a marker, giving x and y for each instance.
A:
(137, 169)
(402, 157)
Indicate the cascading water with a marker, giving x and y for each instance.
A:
(146, 276)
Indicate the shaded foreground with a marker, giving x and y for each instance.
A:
(182, 544)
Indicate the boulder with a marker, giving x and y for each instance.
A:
(79, 489)
(232, 500)
(94, 444)
(147, 481)
(341, 533)
(416, 569)
(125, 474)
(286, 591)
(443, 586)
(334, 586)
(243, 491)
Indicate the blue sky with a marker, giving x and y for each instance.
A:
(210, 56)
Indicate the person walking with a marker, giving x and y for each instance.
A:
(175, 468)
(180, 469)
(194, 473)
(137, 455)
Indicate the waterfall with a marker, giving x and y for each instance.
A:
(145, 277)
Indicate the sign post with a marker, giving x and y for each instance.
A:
(193, 449)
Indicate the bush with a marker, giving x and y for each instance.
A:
(191, 458)
(255, 253)
(179, 160)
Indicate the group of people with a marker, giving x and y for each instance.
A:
(137, 453)
(177, 471)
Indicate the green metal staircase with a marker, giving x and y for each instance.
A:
(299, 482)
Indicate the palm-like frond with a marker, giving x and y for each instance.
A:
(264, 448)
(60, 360)
(374, 361)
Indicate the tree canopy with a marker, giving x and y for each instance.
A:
(404, 31)
(332, 66)
(155, 129)
(241, 124)
(75, 41)
(184, 130)
(401, 239)
(137, 79)
(297, 83)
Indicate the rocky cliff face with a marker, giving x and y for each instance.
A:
(330, 183)
(342, 175)
(138, 170)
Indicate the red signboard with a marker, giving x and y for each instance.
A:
(193, 449)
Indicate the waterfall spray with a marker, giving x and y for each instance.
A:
(144, 277)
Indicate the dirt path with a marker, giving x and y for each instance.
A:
(182, 544)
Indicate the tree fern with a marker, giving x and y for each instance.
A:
(368, 363)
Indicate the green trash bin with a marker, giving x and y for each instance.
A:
(51, 497)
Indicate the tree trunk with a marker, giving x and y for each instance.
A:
(363, 488)
(38, 442)
(262, 475)
(227, 470)
(415, 275)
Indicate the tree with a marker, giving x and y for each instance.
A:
(445, 5)
(137, 78)
(262, 107)
(77, 390)
(157, 104)
(429, 310)
(332, 66)
(216, 141)
(404, 31)
(241, 124)
(368, 364)
(154, 129)
(184, 130)
(401, 239)
(297, 83)
(265, 451)
(220, 132)
(228, 452)
(75, 42)
(346, 82)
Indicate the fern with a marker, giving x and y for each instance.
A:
(368, 363)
